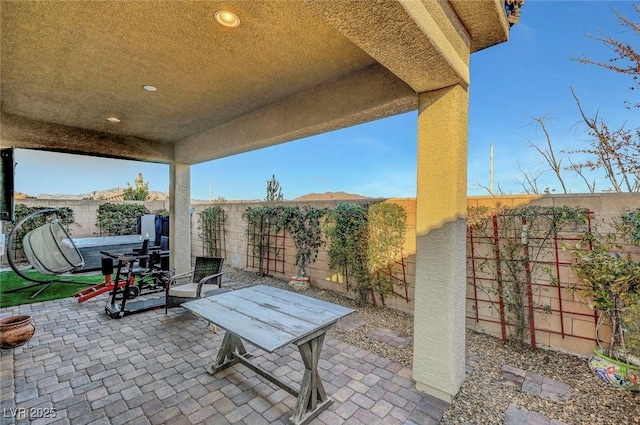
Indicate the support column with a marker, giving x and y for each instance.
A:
(180, 217)
(439, 312)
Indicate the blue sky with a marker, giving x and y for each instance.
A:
(529, 76)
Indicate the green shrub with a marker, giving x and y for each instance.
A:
(119, 219)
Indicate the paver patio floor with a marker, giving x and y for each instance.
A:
(82, 367)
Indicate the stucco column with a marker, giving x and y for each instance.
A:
(439, 323)
(180, 217)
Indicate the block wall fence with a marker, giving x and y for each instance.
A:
(571, 329)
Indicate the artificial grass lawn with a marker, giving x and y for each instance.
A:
(9, 280)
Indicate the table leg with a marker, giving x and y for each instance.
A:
(312, 398)
(225, 358)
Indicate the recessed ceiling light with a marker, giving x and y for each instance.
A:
(113, 119)
(226, 18)
(150, 88)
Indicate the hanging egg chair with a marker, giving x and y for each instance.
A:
(49, 250)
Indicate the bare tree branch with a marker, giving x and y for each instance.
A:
(609, 149)
(616, 152)
(578, 170)
(530, 182)
(481, 186)
(549, 154)
(627, 59)
(502, 192)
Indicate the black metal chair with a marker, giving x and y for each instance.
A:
(204, 280)
(142, 252)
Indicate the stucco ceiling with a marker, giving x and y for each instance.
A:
(291, 69)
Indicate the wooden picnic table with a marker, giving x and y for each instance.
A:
(272, 318)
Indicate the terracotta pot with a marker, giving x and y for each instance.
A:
(15, 331)
(300, 283)
(614, 372)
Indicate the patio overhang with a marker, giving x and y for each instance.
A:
(291, 69)
(73, 74)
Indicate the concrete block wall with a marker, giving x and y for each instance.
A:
(604, 206)
(574, 330)
(85, 214)
(319, 272)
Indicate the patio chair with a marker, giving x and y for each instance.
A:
(204, 280)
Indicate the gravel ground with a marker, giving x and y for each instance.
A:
(483, 397)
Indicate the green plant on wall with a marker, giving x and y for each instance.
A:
(119, 219)
(64, 214)
(387, 229)
(348, 236)
(211, 229)
(519, 241)
(304, 226)
(364, 243)
(161, 212)
(610, 281)
(263, 225)
(628, 224)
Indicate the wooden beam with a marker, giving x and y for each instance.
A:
(265, 374)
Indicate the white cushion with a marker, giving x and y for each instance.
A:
(188, 290)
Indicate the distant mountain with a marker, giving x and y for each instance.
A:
(20, 195)
(117, 194)
(330, 196)
(106, 195)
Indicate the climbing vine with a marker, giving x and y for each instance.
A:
(304, 226)
(516, 244)
(364, 242)
(348, 236)
(387, 229)
(628, 224)
(609, 280)
(211, 230)
(263, 227)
